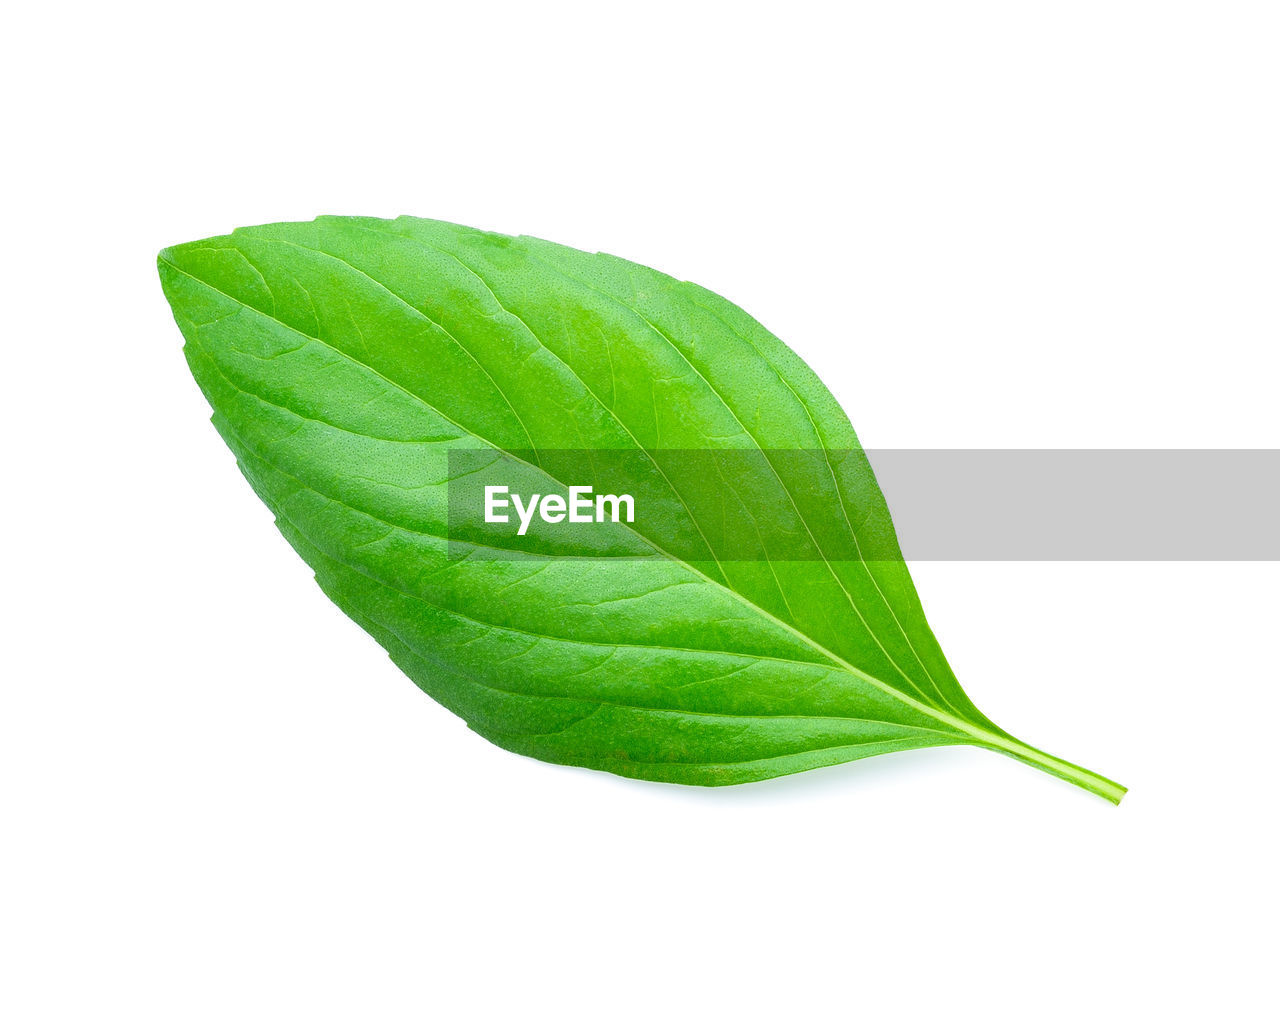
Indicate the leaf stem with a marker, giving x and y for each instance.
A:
(1074, 773)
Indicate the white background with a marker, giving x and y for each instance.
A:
(983, 225)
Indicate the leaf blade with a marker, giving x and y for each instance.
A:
(343, 357)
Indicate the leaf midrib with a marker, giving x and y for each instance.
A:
(980, 736)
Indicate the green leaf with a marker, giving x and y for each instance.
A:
(348, 360)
